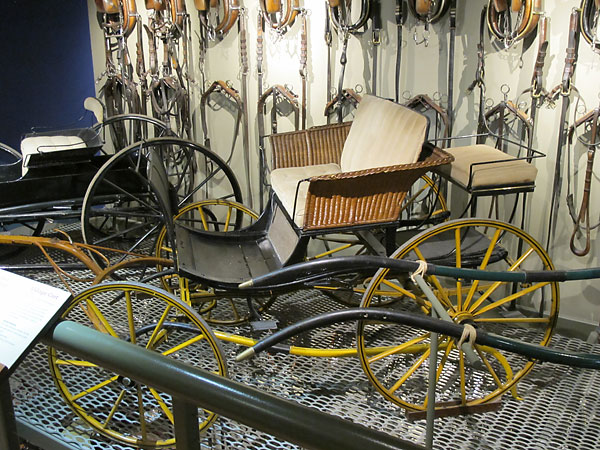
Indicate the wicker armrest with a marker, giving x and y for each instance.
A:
(317, 145)
(366, 196)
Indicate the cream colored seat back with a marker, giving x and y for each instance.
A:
(382, 134)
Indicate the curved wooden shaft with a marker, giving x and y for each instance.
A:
(53, 243)
(515, 5)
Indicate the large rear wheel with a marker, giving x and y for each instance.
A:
(398, 368)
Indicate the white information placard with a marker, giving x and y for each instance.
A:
(27, 308)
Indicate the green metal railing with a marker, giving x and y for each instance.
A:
(191, 388)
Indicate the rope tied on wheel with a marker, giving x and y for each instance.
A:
(421, 271)
(470, 333)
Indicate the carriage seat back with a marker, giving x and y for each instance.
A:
(59, 148)
(383, 134)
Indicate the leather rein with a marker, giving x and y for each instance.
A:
(581, 221)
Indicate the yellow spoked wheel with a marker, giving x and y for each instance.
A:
(211, 215)
(521, 311)
(118, 407)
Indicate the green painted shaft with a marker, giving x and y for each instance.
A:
(287, 420)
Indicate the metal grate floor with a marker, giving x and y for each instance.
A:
(560, 407)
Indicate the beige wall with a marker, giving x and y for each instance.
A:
(424, 71)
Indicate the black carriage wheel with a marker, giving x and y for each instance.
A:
(121, 208)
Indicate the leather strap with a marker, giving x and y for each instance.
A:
(376, 41)
(221, 87)
(452, 18)
(565, 91)
(328, 42)
(244, 88)
(584, 212)
(303, 61)
(399, 14)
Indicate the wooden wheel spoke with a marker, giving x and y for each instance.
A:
(98, 320)
(228, 218)
(203, 218)
(234, 309)
(74, 362)
(130, 321)
(184, 344)
(94, 388)
(482, 266)
(461, 368)
(510, 298)
(410, 371)
(158, 327)
(513, 319)
(162, 405)
(141, 411)
(489, 367)
(398, 348)
(495, 285)
(130, 195)
(113, 410)
(395, 287)
(457, 242)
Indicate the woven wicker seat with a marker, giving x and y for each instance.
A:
(356, 173)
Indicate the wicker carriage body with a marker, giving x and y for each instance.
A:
(347, 199)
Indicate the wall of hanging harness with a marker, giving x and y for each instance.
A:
(227, 73)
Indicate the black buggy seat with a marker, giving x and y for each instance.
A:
(326, 185)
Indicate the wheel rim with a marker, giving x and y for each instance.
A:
(118, 408)
(400, 371)
(122, 209)
(122, 130)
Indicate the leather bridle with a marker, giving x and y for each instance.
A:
(564, 89)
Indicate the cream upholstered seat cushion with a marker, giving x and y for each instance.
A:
(507, 173)
(382, 134)
(43, 144)
(284, 182)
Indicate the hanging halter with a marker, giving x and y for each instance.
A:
(511, 23)
(590, 13)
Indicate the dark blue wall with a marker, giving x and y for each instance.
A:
(47, 69)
